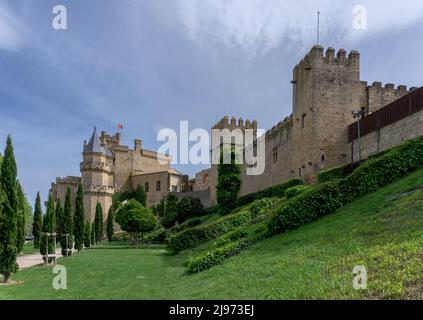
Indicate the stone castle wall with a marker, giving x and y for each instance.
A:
(388, 137)
(326, 88)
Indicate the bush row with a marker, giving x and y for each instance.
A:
(337, 172)
(275, 191)
(190, 238)
(368, 177)
(297, 190)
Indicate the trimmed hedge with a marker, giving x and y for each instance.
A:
(191, 238)
(337, 172)
(275, 191)
(328, 197)
(297, 190)
(213, 257)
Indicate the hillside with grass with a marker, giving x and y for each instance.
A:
(380, 227)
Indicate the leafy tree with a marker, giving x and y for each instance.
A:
(20, 235)
(98, 223)
(87, 234)
(228, 183)
(188, 208)
(135, 219)
(170, 211)
(8, 213)
(49, 226)
(79, 219)
(110, 221)
(140, 195)
(66, 242)
(38, 222)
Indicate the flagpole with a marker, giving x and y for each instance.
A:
(318, 27)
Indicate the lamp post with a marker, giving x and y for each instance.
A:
(359, 115)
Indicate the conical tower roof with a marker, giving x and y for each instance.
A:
(94, 145)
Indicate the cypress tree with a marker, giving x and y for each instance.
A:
(98, 223)
(20, 235)
(93, 239)
(59, 217)
(38, 222)
(49, 226)
(8, 175)
(8, 213)
(79, 219)
(87, 234)
(140, 195)
(110, 221)
(66, 242)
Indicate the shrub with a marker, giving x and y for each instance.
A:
(187, 224)
(188, 208)
(328, 197)
(215, 256)
(275, 191)
(295, 191)
(192, 237)
(258, 206)
(158, 235)
(337, 172)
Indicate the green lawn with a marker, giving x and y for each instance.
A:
(382, 231)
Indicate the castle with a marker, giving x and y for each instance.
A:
(108, 167)
(321, 133)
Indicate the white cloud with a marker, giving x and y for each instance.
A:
(256, 26)
(12, 30)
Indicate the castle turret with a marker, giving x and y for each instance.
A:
(326, 89)
(97, 177)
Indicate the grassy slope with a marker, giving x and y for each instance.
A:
(382, 231)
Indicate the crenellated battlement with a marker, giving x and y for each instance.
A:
(377, 85)
(235, 123)
(284, 125)
(317, 57)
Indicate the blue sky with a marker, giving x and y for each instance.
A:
(150, 63)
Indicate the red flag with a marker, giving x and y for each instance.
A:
(120, 127)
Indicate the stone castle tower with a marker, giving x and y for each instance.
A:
(97, 177)
(326, 88)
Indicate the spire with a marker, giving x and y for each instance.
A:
(94, 144)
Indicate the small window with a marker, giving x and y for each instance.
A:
(158, 187)
(303, 120)
(300, 172)
(323, 158)
(174, 189)
(146, 187)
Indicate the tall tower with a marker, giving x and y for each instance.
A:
(97, 177)
(326, 89)
(232, 126)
